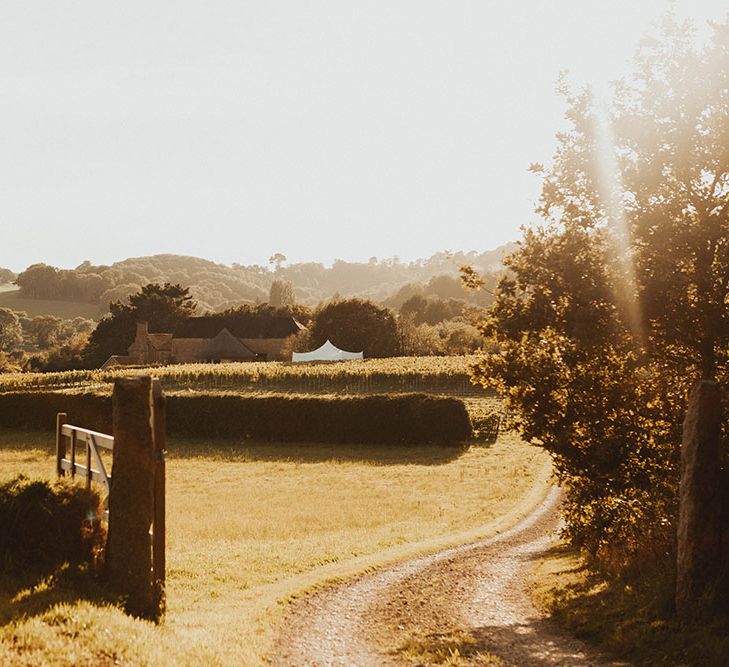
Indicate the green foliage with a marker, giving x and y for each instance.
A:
(401, 419)
(69, 355)
(9, 364)
(11, 333)
(48, 331)
(452, 337)
(281, 293)
(43, 330)
(161, 306)
(41, 281)
(632, 621)
(44, 525)
(356, 325)
(486, 425)
(448, 288)
(620, 301)
(392, 419)
(248, 314)
(7, 276)
(217, 287)
(431, 310)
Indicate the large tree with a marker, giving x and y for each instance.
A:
(356, 325)
(281, 293)
(620, 300)
(161, 306)
(11, 332)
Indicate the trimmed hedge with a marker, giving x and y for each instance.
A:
(44, 525)
(390, 419)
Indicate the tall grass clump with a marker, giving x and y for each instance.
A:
(44, 525)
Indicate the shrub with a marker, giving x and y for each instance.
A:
(390, 419)
(405, 419)
(38, 410)
(486, 426)
(44, 525)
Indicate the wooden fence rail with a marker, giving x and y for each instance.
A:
(74, 443)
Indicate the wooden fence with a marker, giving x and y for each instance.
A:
(80, 452)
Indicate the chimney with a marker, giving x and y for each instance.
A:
(142, 330)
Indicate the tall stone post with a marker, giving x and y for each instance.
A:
(131, 496)
(159, 527)
(700, 496)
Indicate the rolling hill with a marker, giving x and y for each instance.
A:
(10, 298)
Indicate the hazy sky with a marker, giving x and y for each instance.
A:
(232, 130)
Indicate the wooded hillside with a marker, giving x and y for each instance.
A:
(216, 287)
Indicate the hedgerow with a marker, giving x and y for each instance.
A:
(388, 419)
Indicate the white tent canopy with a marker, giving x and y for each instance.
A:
(327, 352)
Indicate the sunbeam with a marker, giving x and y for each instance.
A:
(611, 194)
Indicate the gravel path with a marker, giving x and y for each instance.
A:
(468, 603)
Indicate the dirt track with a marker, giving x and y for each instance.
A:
(471, 601)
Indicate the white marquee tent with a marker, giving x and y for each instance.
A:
(327, 352)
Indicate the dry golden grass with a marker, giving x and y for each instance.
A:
(253, 525)
(635, 622)
(451, 649)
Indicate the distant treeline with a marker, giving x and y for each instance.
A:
(217, 287)
(6, 276)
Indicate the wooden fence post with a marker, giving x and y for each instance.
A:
(131, 497)
(61, 419)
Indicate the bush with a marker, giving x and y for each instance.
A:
(44, 525)
(38, 410)
(486, 426)
(390, 419)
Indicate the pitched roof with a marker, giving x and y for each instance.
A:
(257, 326)
(117, 360)
(160, 341)
(226, 346)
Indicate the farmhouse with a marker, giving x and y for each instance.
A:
(209, 339)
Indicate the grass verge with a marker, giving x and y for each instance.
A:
(452, 649)
(633, 623)
(252, 525)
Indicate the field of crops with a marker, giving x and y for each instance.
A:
(403, 374)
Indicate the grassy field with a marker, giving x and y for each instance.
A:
(251, 526)
(633, 623)
(10, 298)
(403, 374)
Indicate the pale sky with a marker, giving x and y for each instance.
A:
(323, 130)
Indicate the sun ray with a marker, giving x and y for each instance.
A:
(611, 194)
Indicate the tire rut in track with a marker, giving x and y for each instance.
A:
(478, 591)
